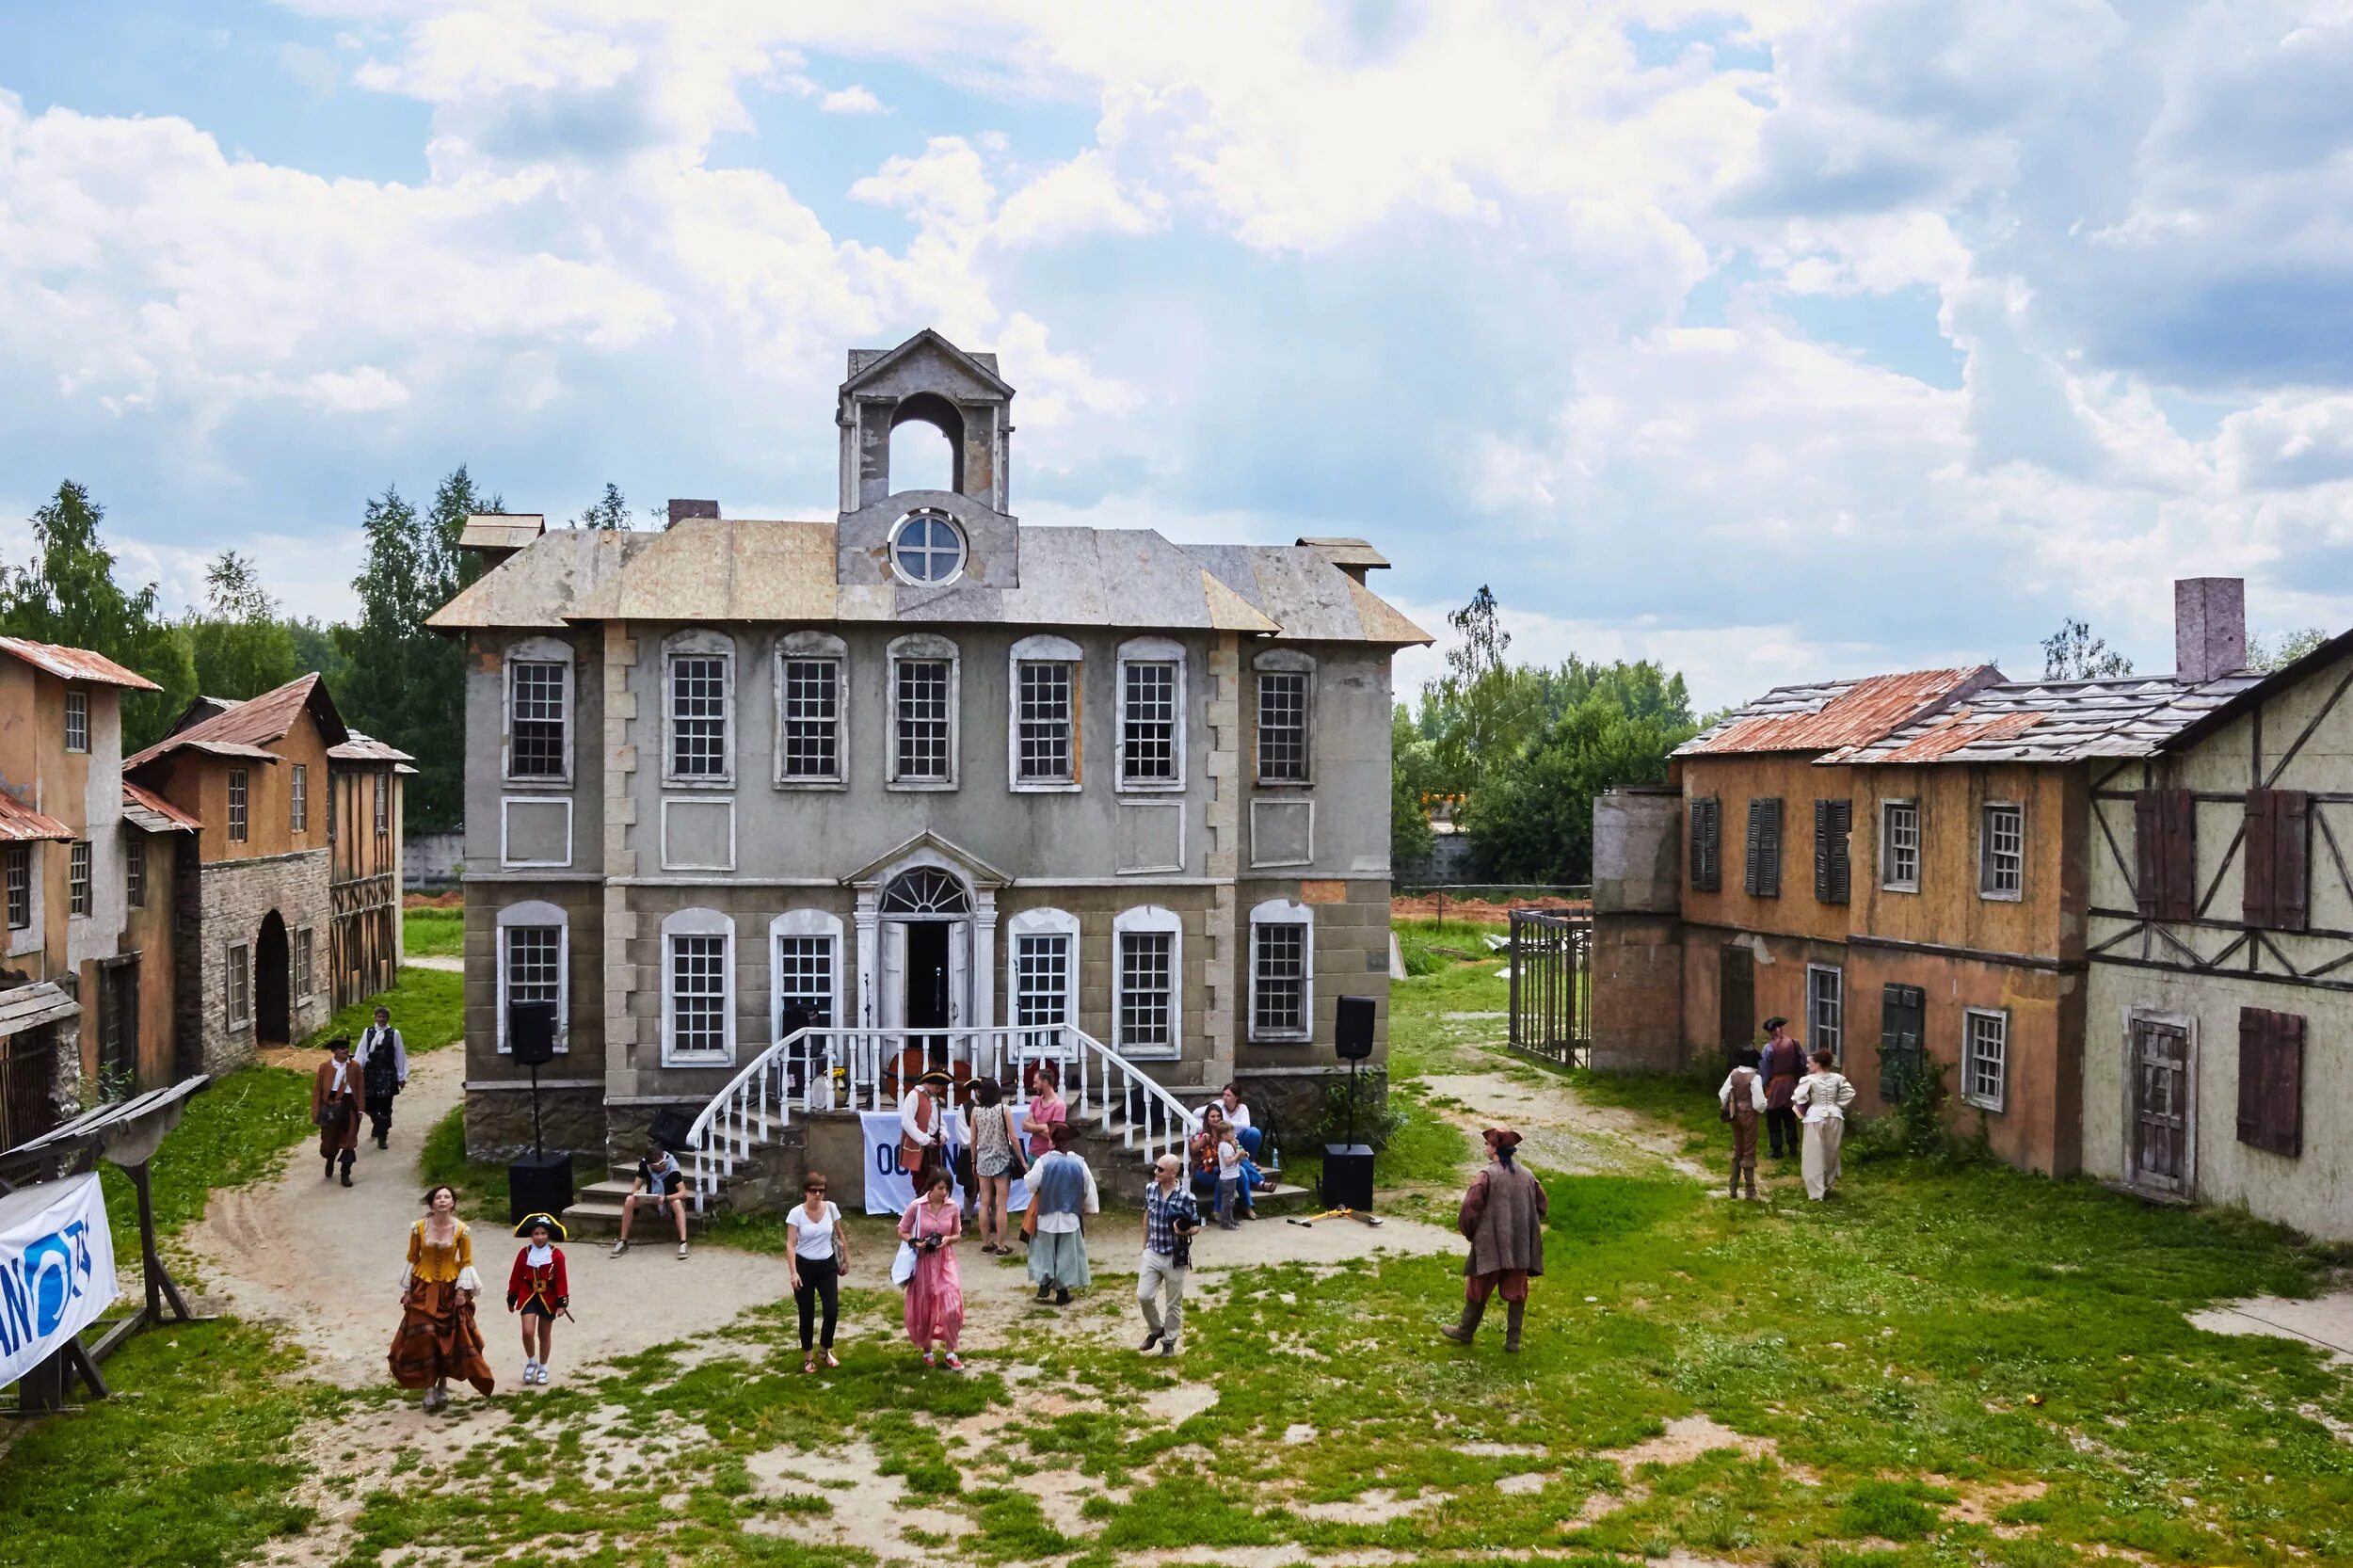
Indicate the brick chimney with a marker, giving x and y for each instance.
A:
(692, 509)
(2209, 628)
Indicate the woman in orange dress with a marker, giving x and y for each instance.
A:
(437, 1339)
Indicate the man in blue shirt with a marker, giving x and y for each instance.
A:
(1171, 1216)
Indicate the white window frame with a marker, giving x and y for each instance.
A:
(1970, 1018)
(1889, 881)
(237, 986)
(1150, 917)
(299, 799)
(382, 783)
(1042, 922)
(811, 648)
(77, 721)
(240, 805)
(699, 643)
(964, 549)
(925, 647)
(804, 923)
(1148, 650)
(1830, 1036)
(81, 875)
(1283, 660)
(699, 922)
(302, 947)
(546, 650)
(539, 914)
(1988, 866)
(1044, 650)
(1276, 911)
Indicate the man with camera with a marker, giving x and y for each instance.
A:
(1171, 1218)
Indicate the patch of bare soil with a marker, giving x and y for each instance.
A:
(1562, 1132)
(1425, 907)
(869, 1511)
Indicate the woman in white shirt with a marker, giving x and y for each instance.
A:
(820, 1251)
(1821, 1099)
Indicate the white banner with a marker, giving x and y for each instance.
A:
(891, 1186)
(56, 1269)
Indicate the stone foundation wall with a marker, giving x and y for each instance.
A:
(572, 1120)
(231, 899)
(1638, 994)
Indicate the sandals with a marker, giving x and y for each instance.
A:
(808, 1363)
(827, 1357)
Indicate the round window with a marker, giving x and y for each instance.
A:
(926, 548)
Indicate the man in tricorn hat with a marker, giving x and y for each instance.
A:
(335, 1106)
(924, 1128)
(1503, 1218)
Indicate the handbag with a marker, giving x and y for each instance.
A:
(903, 1266)
(1015, 1143)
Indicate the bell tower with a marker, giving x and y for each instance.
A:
(928, 379)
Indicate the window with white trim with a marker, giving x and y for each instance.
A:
(924, 713)
(1826, 1010)
(1984, 1057)
(532, 950)
(77, 879)
(1048, 717)
(1282, 971)
(19, 875)
(927, 549)
(697, 987)
(2002, 852)
(1900, 845)
(299, 799)
(805, 968)
(240, 984)
(538, 718)
(1148, 1007)
(1043, 978)
(302, 952)
(809, 694)
(1286, 680)
(134, 868)
(77, 721)
(238, 803)
(382, 785)
(697, 708)
(1151, 714)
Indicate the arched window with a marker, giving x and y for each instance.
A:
(1148, 1005)
(926, 444)
(926, 891)
(698, 989)
(927, 549)
(1282, 971)
(534, 961)
(1042, 972)
(805, 959)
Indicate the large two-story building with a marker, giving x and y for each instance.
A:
(916, 768)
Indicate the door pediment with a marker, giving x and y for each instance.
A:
(928, 848)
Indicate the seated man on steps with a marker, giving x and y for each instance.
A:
(660, 1183)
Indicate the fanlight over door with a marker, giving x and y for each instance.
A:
(926, 891)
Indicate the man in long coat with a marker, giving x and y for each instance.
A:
(922, 1130)
(1503, 1219)
(383, 1058)
(335, 1107)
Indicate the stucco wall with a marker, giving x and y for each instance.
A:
(1949, 909)
(1797, 783)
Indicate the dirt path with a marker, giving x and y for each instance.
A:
(1562, 1132)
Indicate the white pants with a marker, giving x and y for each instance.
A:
(1822, 1139)
(1157, 1273)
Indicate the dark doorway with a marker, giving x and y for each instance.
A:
(28, 1064)
(119, 1026)
(1736, 998)
(927, 974)
(273, 984)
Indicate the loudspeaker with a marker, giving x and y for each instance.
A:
(670, 1130)
(1351, 1029)
(531, 1032)
(1348, 1176)
(538, 1185)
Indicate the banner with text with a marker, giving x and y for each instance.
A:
(56, 1269)
(891, 1186)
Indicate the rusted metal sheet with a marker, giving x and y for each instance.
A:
(20, 824)
(249, 729)
(75, 663)
(143, 808)
(1942, 736)
(2058, 721)
(1838, 714)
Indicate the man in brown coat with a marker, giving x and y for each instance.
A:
(1503, 1218)
(335, 1106)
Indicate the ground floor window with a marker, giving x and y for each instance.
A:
(1826, 1010)
(804, 970)
(302, 983)
(1041, 971)
(1282, 970)
(240, 986)
(698, 989)
(1147, 1004)
(1984, 1058)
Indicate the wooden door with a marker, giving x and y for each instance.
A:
(119, 1026)
(1736, 998)
(2162, 1107)
(1903, 1026)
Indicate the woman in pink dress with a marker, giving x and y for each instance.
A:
(935, 1294)
(1046, 1108)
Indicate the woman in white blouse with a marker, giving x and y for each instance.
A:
(820, 1251)
(1820, 1100)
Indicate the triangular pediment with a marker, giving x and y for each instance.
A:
(928, 848)
(954, 370)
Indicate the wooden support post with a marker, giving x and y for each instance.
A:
(160, 1287)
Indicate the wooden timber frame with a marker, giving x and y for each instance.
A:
(364, 948)
(125, 1135)
(1552, 985)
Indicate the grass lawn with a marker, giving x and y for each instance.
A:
(428, 1008)
(433, 933)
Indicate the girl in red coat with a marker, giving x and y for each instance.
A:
(538, 1290)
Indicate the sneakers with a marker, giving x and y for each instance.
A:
(1062, 1295)
(955, 1362)
(681, 1249)
(619, 1247)
(531, 1374)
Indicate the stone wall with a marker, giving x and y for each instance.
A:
(232, 897)
(1638, 994)
(572, 1119)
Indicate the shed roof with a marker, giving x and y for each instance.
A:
(20, 824)
(24, 1007)
(247, 730)
(1832, 714)
(2056, 721)
(367, 748)
(501, 530)
(75, 663)
(143, 808)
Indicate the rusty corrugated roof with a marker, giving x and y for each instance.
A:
(20, 824)
(251, 726)
(75, 663)
(1830, 714)
(367, 748)
(1948, 732)
(2058, 721)
(144, 808)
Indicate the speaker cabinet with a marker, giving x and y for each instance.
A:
(538, 1185)
(1351, 1029)
(670, 1128)
(1348, 1176)
(531, 1032)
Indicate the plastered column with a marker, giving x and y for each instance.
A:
(1222, 859)
(620, 860)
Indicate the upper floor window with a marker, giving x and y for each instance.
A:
(19, 877)
(1900, 845)
(810, 692)
(1151, 714)
(1707, 823)
(539, 710)
(1763, 867)
(1045, 713)
(134, 868)
(77, 721)
(77, 878)
(236, 804)
(926, 548)
(924, 713)
(699, 707)
(1282, 970)
(1832, 821)
(1285, 681)
(382, 784)
(299, 799)
(2002, 852)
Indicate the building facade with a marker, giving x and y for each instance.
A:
(916, 768)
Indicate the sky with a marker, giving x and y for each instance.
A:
(1772, 342)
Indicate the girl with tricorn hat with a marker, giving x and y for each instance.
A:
(538, 1289)
(1503, 1219)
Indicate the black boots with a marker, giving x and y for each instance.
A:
(347, 1167)
(1514, 1314)
(1460, 1333)
(330, 1168)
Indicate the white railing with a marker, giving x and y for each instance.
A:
(868, 1069)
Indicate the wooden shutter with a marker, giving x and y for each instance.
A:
(1707, 822)
(2276, 880)
(2164, 849)
(1762, 872)
(1833, 821)
(1903, 1023)
(2271, 1080)
(1736, 998)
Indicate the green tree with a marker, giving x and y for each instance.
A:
(2263, 653)
(608, 511)
(68, 595)
(2073, 653)
(240, 647)
(1482, 709)
(1411, 776)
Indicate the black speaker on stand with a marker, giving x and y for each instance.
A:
(543, 1183)
(1347, 1167)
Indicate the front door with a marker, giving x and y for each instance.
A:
(1736, 998)
(2161, 1108)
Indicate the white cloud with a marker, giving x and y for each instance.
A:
(364, 390)
(312, 66)
(851, 100)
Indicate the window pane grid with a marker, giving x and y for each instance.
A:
(240, 984)
(299, 798)
(134, 870)
(383, 787)
(302, 963)
(1041, 985)
(2005, 849)
(922, 718)
(533, 963)
(539, 721)
(805, 977)
(1283, 727)
(698, 723)
(236, 804)
(1148, 743)
(77, 721)
(927, 549)
(19, 886)
(1045, 723)
(1145, 994)
(77, 879)
(1826, 1011)
(1903, 845)
(1983, 1058)
(1279, 994)
(699, 994)
(812, 718)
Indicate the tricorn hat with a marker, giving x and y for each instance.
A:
(534, 1221)
(937, 1076)
(340, 1042)
(1504, 1137)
